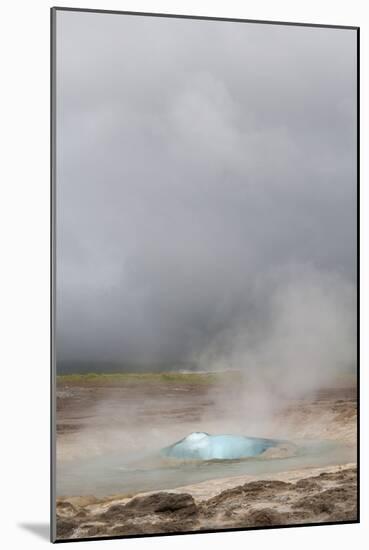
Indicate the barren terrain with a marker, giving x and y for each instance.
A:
(98, 415)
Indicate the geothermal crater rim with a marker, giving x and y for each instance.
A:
(204, 446)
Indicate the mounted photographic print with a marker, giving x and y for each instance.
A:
(204, 274)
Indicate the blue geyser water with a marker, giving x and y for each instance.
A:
(203, 446)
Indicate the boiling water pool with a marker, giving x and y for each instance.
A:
(198, 457)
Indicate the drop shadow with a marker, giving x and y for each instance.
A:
(42, 530)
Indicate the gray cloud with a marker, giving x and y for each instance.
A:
(198, 162)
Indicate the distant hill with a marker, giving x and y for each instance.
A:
(84, 367)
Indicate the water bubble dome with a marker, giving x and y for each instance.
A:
(204, 446)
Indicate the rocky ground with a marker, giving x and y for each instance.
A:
(325, 497)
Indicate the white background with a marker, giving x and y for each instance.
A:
(24, 272)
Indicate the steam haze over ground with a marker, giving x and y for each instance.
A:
(206, 197)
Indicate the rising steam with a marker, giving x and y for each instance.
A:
(304, 341)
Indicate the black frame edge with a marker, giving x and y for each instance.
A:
(204, 18)
(212, 531)
(52, 274)
(358, 269)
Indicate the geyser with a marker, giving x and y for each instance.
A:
(203, 446)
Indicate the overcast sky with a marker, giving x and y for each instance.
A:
(200, 165)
